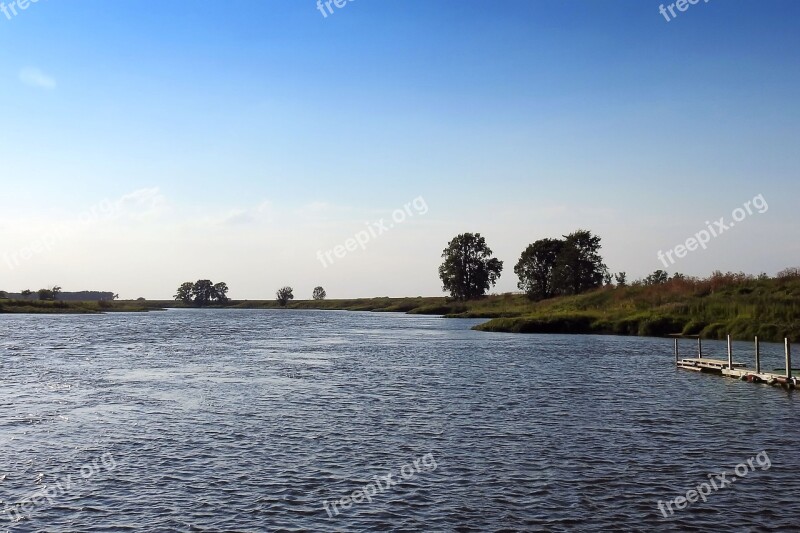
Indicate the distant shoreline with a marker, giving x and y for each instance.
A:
(743, 308)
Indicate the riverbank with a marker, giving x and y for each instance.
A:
(714, 307)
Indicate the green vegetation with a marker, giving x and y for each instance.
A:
(738, 304)
(554, 267)
(469, 269)
(75, 307)
(741, 305)
(202, 293)
(283, 296)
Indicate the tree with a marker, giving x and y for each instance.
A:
(26, 293)
(579, 267)
(535, 268)
(319, 293)
(284, 295)
(56, 290)
(622, 279)
(45, 294)
(220, 293)
(184, 293)
(468, 270)
(658, 277)
(203, 292)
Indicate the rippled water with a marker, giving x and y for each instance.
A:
(250, 420)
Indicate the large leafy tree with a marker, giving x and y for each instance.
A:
(220, 292)
(469, 269)
(46, 294)
(319, 293)
(283, 295)
(536, 268)
(579, 267)
(203, 292)
(184, 293)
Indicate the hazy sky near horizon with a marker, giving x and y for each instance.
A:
(145, 143)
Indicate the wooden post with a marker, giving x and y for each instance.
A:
(788, 358)
(699, 348)
(676, 350)
(730, 354)
(758, 356)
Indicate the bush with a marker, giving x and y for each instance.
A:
(661, 326)
(694, 327)
(717, 330)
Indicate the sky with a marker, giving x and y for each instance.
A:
(144, 144)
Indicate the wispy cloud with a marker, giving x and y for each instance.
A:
(142, 204)
(36, 78)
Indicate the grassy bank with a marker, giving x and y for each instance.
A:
(769, 308)
(71, 307)
(744, 308)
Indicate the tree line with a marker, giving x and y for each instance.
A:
(42, 294)
(546, 268)
(205, 292)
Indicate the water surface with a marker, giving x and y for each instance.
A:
(249, 420)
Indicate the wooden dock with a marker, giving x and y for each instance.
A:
(732, 369)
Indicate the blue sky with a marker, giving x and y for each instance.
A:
(237, 139)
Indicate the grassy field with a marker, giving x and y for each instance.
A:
(714, 307)
(59, 307)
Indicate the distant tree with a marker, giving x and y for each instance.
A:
(579, 267)
(677, 276)
(220, 292)
(622, 279)
(607, 278)
(468, 270)
(319, 293)
(184, 293)
(658, 277)
(283, 296)
(789, 273)
(203, 292)
(535, 268)
(26, 293)
(115, 297)
(45, 294)
(141, 299)
(56, 290)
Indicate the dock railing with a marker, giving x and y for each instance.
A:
(733, 369)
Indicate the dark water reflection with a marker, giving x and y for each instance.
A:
(249, 420)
